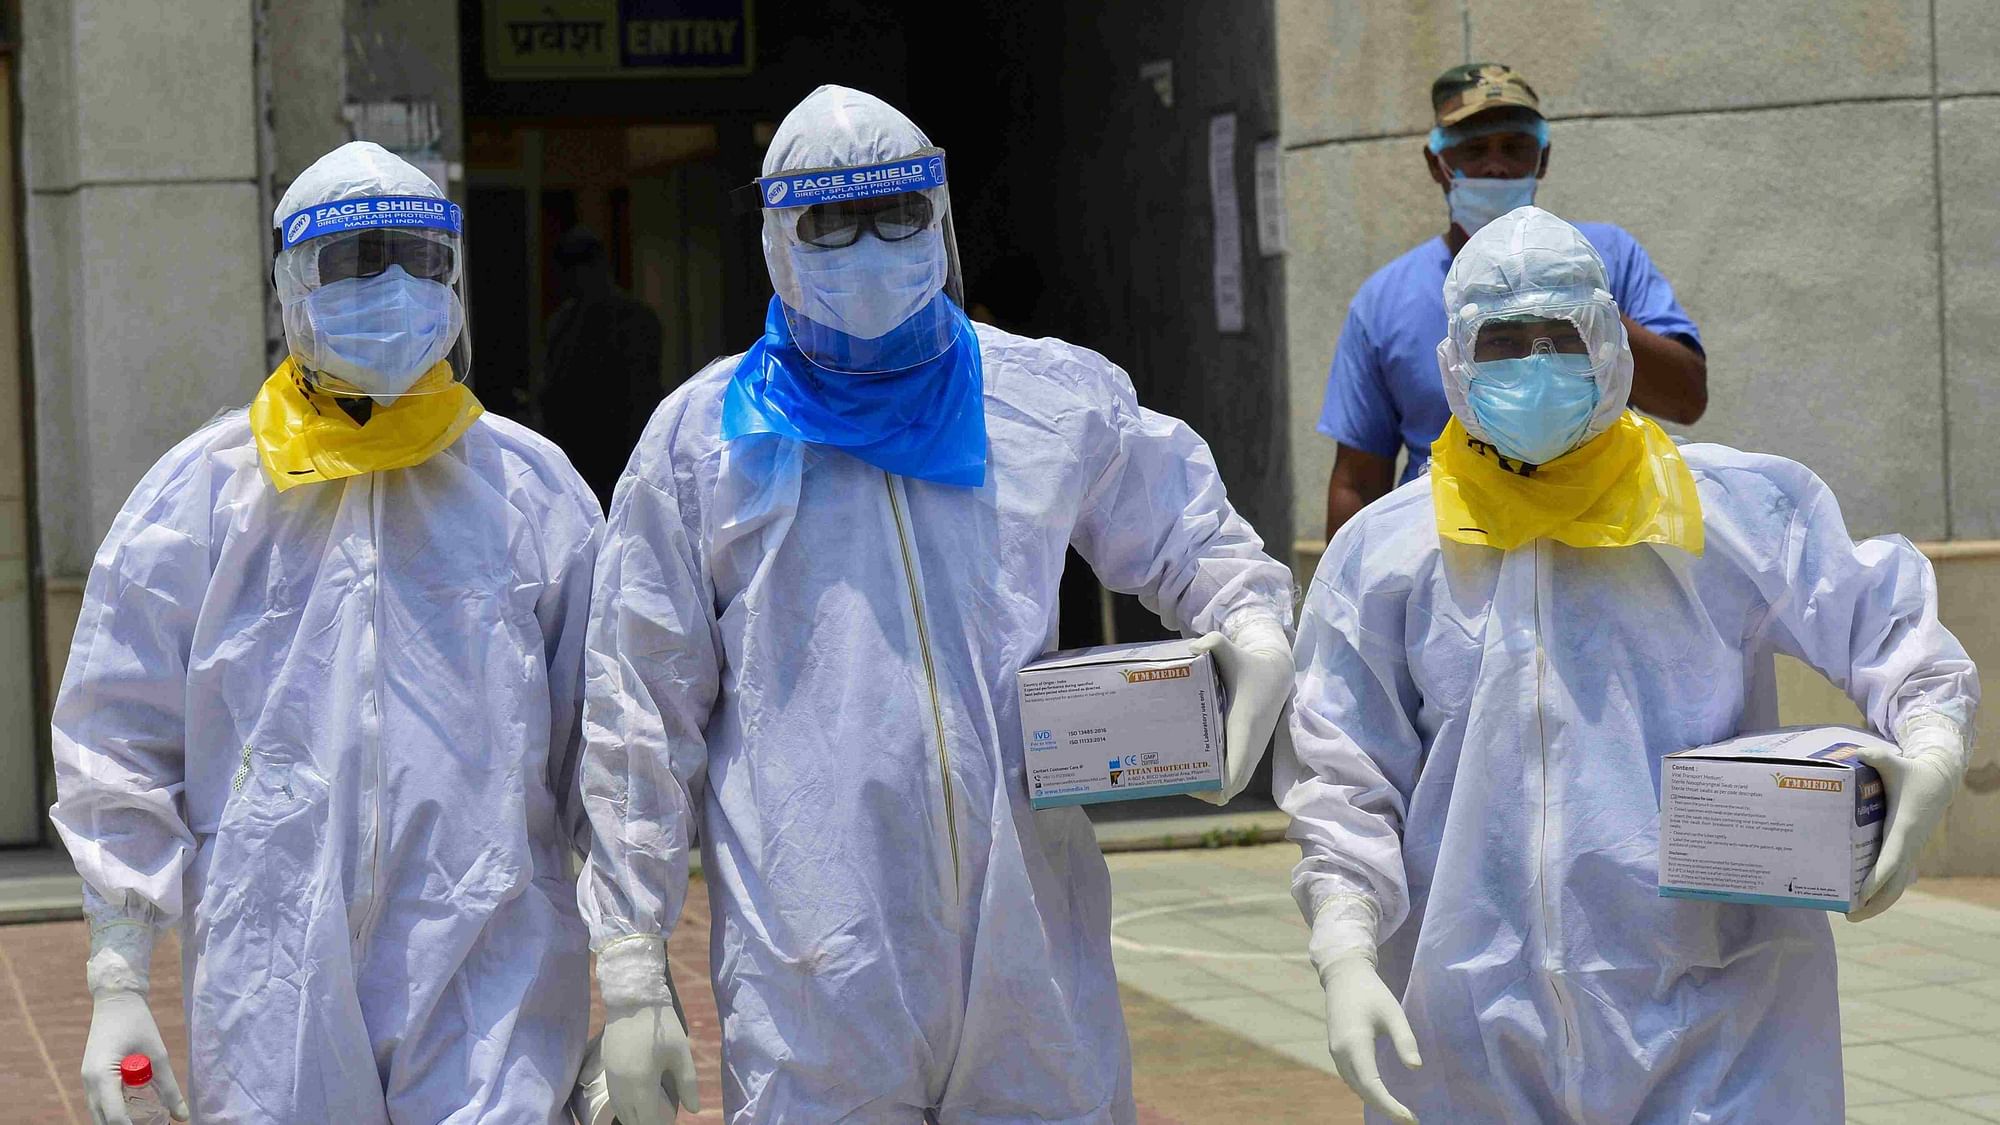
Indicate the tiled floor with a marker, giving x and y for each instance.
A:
(1223, 1011)
(1920, 1012)
(1215, 934)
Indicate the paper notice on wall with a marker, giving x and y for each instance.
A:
(1228, 229)
(1159, 74)
(1270, 199)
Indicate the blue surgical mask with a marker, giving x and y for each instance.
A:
(1536, 408)
(1474, 202)
(380, 334)
(869, 288)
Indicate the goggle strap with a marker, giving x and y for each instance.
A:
(746, 200)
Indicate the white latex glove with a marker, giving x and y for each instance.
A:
(1919, 780)
(648, 1063)
(1359, 1008)
(593, 1089)
(119, 974)
(1255, 661)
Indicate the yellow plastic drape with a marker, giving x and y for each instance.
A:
(304, 436)
(1627, 485)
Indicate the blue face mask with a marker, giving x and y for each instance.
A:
(869, 288)
(379, 334)
(1475, 202)
(1536, 408)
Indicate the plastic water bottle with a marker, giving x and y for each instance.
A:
(142, 1102)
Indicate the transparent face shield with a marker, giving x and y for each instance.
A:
(372, 292)
(864, 261)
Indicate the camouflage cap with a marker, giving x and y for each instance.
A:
(1473, 88)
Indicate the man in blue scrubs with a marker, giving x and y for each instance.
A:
(1488, 152)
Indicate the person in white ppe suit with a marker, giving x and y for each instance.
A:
(1492, 661)
(822, 570)
(321, 712)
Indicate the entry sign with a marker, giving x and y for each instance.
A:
(539, 39)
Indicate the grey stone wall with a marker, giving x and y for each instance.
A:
(1814, 176)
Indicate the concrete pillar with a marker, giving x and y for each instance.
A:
(145, 244)
(20, 803)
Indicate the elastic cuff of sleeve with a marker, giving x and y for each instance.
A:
(1257, 630)
(121, 958)
(632, 972)
(1933, 733)
(1344, 930)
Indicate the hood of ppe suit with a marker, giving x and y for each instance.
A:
(836, 127)
(863, 290)
(377, 334)
(1526, 262)
(356, 168)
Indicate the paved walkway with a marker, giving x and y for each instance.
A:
(1214, 934)
(1224, 1012)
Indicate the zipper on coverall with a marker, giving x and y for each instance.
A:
(367, 885)
(930, 680)
(1572, 1050)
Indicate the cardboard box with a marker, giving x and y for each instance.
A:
(1783, 818)
(1119, 723)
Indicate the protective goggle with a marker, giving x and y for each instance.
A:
(367, 253)
(1519, 337)
(890, 218)
(1581, 323)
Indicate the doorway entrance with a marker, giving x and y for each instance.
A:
(596, 276)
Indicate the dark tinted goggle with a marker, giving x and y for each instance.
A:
(367, 253)
(892, 218)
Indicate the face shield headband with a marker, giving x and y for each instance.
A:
(922, 170)
(385, 211)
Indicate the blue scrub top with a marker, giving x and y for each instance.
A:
(1384, 390)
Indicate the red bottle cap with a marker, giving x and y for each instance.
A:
(136, 1070)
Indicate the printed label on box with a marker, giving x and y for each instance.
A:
(1120, 723)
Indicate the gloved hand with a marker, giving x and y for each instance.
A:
(1255, 661)
(119, 975)
(1919, 779)
(648, 1063)
(1359, 1008)
(591, 1099)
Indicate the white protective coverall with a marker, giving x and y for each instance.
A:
(1476, 748)
(814, 662)
(332, 734)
